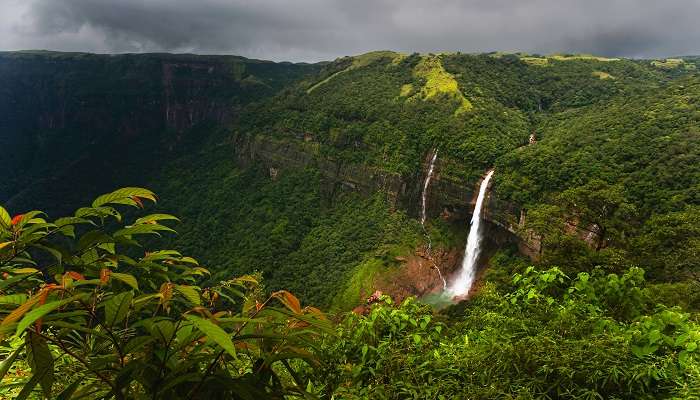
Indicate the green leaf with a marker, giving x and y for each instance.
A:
(109, 247)
(7, 363)
(28, 388)
(213, 332)
(155, 217)
(66, 221)
(29, 218)
(67, 393)
(100, 212)
(653, 336)
(68, 231)
(39, 312)
(146, 229)
(190, 293)
(93, 238)
(5, 219)
(23, 271)
(417, 339)
(124, 196)
(90, 257)
(41, 361)
(75, 327)
(126, 278)
(117, 307)
(35, 231)
(14, 299)
(23, 260)
(9, 281)
(162, 330)
(137, 343)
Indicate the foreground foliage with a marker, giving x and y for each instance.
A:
(545, 336)
(93, 315)
(89, 311)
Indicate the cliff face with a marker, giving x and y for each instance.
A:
(448, 197)
(64, 113)
(280, 156)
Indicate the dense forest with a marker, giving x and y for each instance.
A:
(289, 193)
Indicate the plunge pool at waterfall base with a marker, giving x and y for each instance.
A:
(495, 238)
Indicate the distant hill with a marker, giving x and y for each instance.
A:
(63, 112)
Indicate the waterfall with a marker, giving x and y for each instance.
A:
(424, 195)
(465, 278)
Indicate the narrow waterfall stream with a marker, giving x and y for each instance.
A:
(428, 177)
(465, 277)
(424, 196)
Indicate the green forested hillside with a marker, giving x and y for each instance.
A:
(283, 229)
(101, 121)
(616, 140)
(616, 150)
(307, 179)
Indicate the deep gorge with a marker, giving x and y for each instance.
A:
(247, 229)
(262, 116)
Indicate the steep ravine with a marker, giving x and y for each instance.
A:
(447, 198)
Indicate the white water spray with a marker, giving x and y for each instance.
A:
(465, 278)
(424, 195)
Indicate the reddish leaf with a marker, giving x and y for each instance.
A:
(138, 201)
(104, 275)
(166, 290)
(289, 300)
(75, 275)
(17, 218)
(43, 295)
(18, 312)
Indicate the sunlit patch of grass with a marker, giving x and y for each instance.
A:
(439, 83)
(536, 61)
(406, 90)
(368, 58)
(602, 75)
(499, 54)
(323, 82)
(359, 286)
(560, 57)
(669, 63)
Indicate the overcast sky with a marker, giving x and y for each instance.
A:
(313, 30)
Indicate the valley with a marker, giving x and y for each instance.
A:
(537, 216)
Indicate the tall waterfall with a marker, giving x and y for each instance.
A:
(465, 278)
(424, 196)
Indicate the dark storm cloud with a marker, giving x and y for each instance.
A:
(309, 30)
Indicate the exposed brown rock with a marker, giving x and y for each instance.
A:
(418, 276)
